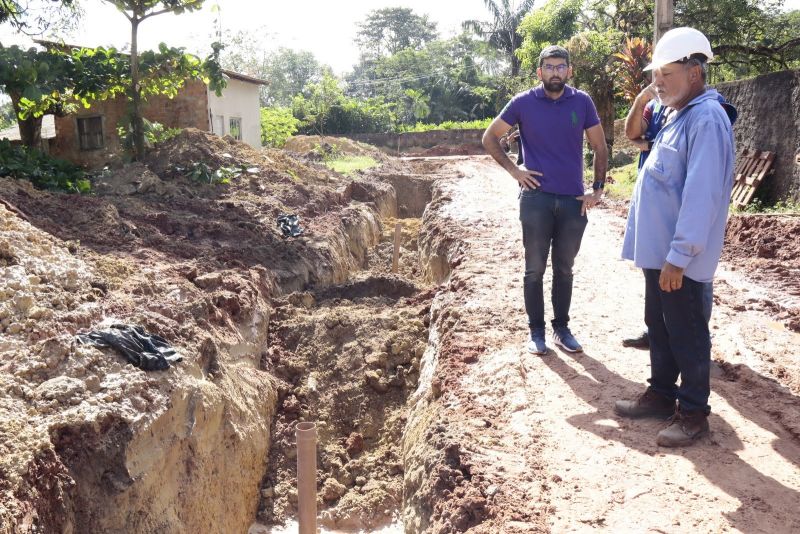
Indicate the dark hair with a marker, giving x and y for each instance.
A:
(553, 51)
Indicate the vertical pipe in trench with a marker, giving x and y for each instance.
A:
(306, 434)
(396, 256)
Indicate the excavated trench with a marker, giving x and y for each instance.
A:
(350, 358)
(273, 332)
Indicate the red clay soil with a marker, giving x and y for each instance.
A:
(767, 249)
(196, 263)
(503, 441)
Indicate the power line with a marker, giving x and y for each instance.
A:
(397, 79)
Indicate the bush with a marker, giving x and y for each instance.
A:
(42, 170)
(757, 205)
(277, 125)
(154, 133)
(480, 124)
(344, 116)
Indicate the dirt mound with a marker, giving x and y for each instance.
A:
(390, 287)
(193, 146)
(767, 248)
(80, 427)
(305, 144)
(466, 149)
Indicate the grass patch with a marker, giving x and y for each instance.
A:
(480, 124)
(347, 165)
(756, 205)
(624, 179)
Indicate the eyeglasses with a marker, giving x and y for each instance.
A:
(561, 69)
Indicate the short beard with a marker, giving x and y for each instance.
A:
(670, 102)
(554, 87)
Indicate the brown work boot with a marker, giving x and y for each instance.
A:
(649, 404)
(685, 427)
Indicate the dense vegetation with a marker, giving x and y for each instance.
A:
(410, 78)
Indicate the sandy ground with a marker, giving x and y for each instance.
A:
(543, 444)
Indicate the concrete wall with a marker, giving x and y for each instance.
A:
(769, 119)
(189, 108)
(240, 99)
(420, 140)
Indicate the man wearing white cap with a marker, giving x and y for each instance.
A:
(675, 231)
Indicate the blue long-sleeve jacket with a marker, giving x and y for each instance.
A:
(680, 202)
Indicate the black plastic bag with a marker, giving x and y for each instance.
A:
(289, 225)
(146, 351)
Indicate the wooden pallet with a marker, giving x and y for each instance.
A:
(751, 168)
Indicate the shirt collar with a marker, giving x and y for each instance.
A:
(569, 92)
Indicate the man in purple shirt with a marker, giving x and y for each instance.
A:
(552, 119)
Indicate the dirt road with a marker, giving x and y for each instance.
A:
(535, 438)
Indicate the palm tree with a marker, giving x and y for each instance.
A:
(502, 31)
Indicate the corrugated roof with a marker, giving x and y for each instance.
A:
(48, 130)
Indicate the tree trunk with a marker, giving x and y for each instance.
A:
(136, 95)
(603, 96)
(30, 129)
(514, 64)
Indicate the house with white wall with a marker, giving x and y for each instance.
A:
(238, 111)
(89, 136)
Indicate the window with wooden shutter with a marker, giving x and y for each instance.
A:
(90, 133)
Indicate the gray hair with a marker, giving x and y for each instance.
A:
(698, 60)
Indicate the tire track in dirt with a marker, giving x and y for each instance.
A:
(553, 456)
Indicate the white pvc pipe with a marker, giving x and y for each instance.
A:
(306, 434)
(396, 256)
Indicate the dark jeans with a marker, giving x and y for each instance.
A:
(549, 220)
(708, 300)
(680, 343)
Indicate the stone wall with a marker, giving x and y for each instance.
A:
(417, 141)
(189, 108)
(769, 119)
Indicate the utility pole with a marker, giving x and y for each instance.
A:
(663, 18)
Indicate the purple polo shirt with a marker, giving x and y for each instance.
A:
(551, 132)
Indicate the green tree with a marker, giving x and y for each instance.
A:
(501, 32)
(631, 17)
(416, 106)
(35, 80)
(457, 76)
(137, 11)
(553, 23)
(590, 55)
(287, 70)
(7, 115)
(277, 125)
(59, 79)
(322, 97)
(390, 30)
(34, 17)
(748, 37)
